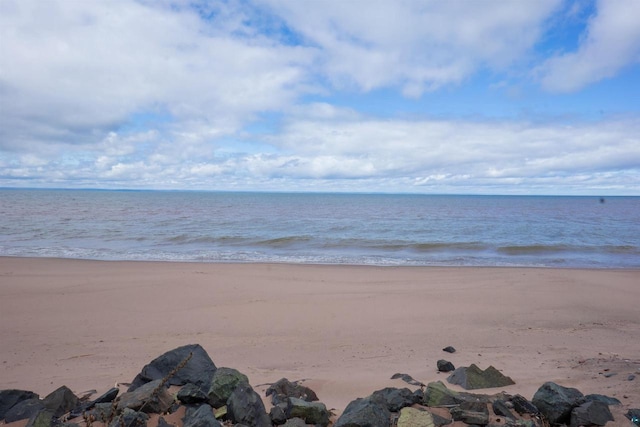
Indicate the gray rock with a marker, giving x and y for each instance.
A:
(151, 397)
(364, 413)
(191, 394)
(295, 422)
(523, 406)
(43, 418)
(634, 416)
(109, 396)
(278, 414)
(500, 408)
(445, 366)
(200, 416)
(394, 398)
(437, 394)
(555, 402)
(282, 389)
(198, 370)
(101, 412)
(602, 398)
(223, 382)
(471, 413)
(245, 407)
(130, 418)
(60, 401)
(472, 378)
(589, 414)
(311, 412)
(9, 398)
(631, 377)
(449, 349)
(23, 410)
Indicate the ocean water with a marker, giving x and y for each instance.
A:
(370, 229)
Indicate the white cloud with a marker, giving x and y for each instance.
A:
(611, 42)
(414, 45)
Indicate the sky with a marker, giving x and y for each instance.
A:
(399, 96)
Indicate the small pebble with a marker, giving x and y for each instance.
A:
(631, 377)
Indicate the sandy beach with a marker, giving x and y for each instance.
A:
(344, 329)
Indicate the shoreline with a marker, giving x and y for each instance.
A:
(346, 329)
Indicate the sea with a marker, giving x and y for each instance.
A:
(326, 228)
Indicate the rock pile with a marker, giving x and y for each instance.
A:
(211, 396)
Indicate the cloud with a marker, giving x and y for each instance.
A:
(611, 43)
(415, 45)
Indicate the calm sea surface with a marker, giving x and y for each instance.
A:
(322, 228)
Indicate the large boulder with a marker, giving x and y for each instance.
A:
(224, 381)
(475, 413)
(364, 413)
(198, 370)
(200, 416)
(283, 389)
(315, 413)
(472, 378)
(437, 394)
(555, 402)
(151, 398)
(9, 398)
(23, 410)
(245, 406)
(593, 413)
(60, 401)
(394, 398)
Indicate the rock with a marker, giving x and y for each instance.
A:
(192, 394)
(245, 407)
(590, 413)
(278, 414)
(523, 406)
(101, 412)
(9, 398)
(556, 402)
(311, 412)
(437, 394)
(634, 416)
(151, 397)
(23, 410)
(602, 398)
(198, 370)
(200, 416)
(130, 418)
(471, 413)
(60, 401)
(500, 408)
(283, 389)
(445, 366)
(411, 417)
(109, 396)
(394, 398)
(295, 422)
(43, 418)
(364, 413)
(223, 382)
(449, 349)
(473, 378)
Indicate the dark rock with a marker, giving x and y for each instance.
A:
(163, 423)
(23, 410)
(394, 398)
(471, 413)
(101, 412)
(473, 378)
(200, 416)
(130, 418)
(60, 401)
(445, 366)
(602, 398)
(43, 418)
(364, 413)
(295, 422)
(224, 381)
(449, 349)
(198, 370)
(192, 394)
(634, 416)
(311, 412)
(109, 396)
(278, 414)
(283, 389)
(500, 408)
(631, 377)
(523, 406)
(556, 402)
(437, 394)
(589, 414)
(9, 398)
(151, 397)
(245, 407)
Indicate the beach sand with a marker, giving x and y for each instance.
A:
(344, 329)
